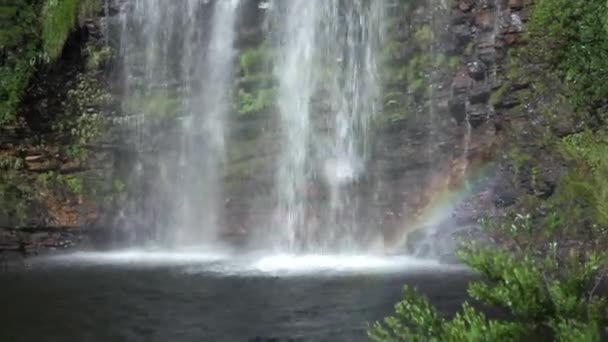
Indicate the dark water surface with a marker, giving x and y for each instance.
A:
(180, 302)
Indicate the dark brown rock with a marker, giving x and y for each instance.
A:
(465, 5)
(486, 20)
(479, 94)
(517, 4)
(461, 81)
(478, 114)
(460, 18)
(458, 108)
(477, 70)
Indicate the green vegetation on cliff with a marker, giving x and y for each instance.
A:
(58, 19)
(413, 61)
(33, 33)
(256, 91)
(18, 43)
(572, 34)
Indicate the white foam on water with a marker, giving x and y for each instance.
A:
(139, 257)
(221, 263)
(338, 263)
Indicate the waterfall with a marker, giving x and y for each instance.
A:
(328, 95)
(178, 59)
(294, 71)
(202, 157)
(304, 126)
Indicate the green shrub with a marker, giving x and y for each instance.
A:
(586, 147)
(586, 187)
(254, 60)
(424, 36)
(74, 184)
(118, 186)
(256, 102)
(549, 294)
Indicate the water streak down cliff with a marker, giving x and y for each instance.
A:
(178, 61)
(328, 94)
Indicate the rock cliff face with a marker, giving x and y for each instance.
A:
(56, 177)
(438, 159)
(439, 156)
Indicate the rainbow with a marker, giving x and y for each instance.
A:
(443, 201)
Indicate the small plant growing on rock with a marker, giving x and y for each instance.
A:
(82, 121)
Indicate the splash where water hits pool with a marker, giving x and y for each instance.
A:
(258, 263)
